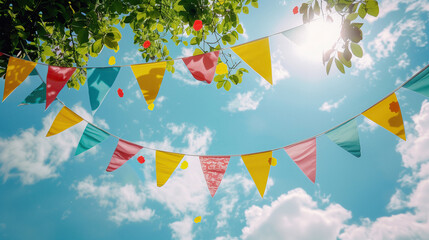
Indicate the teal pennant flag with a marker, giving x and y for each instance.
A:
(347, 137)
(90, 137)
(100, 81)
(38, 95)
(297, 35)
(420, 83)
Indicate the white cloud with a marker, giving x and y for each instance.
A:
(182, 229)
(418, 6)
(413, 224)
(32, 157)
(244, 102)
(385, 42)
(132, 57)
(176, 129)
(278, 61)
(294, 215)
(403, 61)
(368, 125)
(363, 63)
(329, 105)
(124, 202)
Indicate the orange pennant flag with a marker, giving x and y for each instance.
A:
(65, 119)
(149, 77)
(257, 55)
(258, 165)
(17, 71)
(387, 114)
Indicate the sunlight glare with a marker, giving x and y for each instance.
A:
(320, 36)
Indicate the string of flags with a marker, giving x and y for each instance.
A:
(148, 75)
(386, 113)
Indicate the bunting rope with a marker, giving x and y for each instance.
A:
(386, 113)
(270, 150)
(175, 59)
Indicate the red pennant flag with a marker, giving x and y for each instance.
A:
(57, 78)
(304, 155)
(214, 168)
(123, 152)
(203, 66)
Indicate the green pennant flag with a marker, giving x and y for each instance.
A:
(297, 34)
(347, 137)
(420, 83)
(90, 137)
(38, 95)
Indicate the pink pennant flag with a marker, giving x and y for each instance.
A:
(55, 81)
(304, 155)
(214, 168)
(203, 66)
(123, 152)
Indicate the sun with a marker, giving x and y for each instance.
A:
(318, 36)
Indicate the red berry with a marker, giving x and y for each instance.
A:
(141, 159)
(198, 24)
(295, 10)
(146, 44)
(120, 92)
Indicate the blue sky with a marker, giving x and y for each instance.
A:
(47, 193)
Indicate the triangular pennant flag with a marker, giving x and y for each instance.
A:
(17, 71)
(55, 81)
(100, 80)
(420, 83)
(38, 95)
(298, 34)
(347, 137)
(149, 77)
(90, 137)
(304, 155)
(203, 66)
(387, 114)
(165, 165)
(214, 168)
(257, 55)
(65, 119)
(123, 152)
(258, 165)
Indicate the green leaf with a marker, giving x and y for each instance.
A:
(352, 16)
(328, 66)
(82, 35)
(227, 84)
(219, 78)
(185, 43)
(240, 29)
(339, 66)
(219, 84)
(372, 8)
(160, 27)
(343, 60)
(356, 49)
(198, 52)
(316, 8)
(245, 10)
(47, 51)
(255, 5)
(20, 28)
(219, 27)
(243, 70)
(234, 79)
(97, 46)
(194, 41)
(362, 11)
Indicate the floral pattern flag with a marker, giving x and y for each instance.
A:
(214, 168)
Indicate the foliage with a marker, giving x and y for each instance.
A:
(67, 33)
(351, 33)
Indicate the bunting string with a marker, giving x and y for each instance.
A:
(386, 112)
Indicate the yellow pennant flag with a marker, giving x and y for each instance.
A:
(149, 77)
(165, 165)
(258, 165)
(257, 55)
(65, 119)
(387, 114)
(17, 71)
